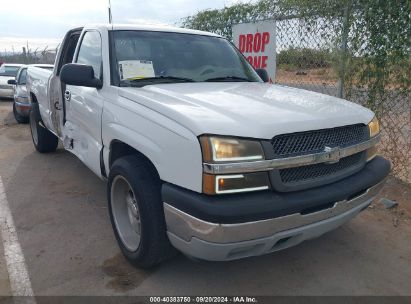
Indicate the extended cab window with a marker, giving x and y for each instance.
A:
(90, 52)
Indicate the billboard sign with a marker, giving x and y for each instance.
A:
(257, 41)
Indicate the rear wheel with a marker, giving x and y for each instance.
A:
(44, 141)
(19, 118)
(136, 211)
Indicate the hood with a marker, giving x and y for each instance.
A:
(256, 110)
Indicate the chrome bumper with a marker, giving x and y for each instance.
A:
(211, 241)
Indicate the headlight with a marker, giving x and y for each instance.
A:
(225, 149)
(374, 127)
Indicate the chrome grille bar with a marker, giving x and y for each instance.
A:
(332, 155)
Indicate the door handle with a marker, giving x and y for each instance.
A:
(67, 95)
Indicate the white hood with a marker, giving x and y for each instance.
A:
(254, 110)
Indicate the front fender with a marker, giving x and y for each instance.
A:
(174, 150)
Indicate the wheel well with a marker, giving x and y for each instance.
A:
(119, 149)
(33, 97)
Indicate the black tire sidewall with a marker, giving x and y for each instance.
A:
(32, 116)
(46, 141)
(147, 192)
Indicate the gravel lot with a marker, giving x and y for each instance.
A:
(60, 213)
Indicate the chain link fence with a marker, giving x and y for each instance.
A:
(307, 58)
(354, 49)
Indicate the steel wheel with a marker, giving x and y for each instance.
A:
(126, 213)
(136, 211)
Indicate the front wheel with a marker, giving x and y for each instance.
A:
(44, 141)
(136, 212)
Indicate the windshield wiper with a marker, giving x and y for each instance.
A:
(228, 78)
(166, 78)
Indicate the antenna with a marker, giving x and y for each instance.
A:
(110, 17)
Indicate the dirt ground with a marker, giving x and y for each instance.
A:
(318, 76)
(60, 213)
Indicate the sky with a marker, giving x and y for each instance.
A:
(43, 23)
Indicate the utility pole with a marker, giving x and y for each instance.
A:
(110, 18)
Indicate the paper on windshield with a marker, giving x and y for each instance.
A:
(135, 69)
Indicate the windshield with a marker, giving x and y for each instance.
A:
(9, 70)
(144, 57)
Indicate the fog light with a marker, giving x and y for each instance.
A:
(372, 152)
(224, 184)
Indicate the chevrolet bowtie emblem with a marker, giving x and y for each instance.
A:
(334, 154)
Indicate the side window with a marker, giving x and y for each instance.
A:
(67, 53)
(90, 52)
(23, 77)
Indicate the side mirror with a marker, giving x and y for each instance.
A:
(12, 81)
(263, 75)
(79, 75)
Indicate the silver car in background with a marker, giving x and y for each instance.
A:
(21, 104)
(8, 71)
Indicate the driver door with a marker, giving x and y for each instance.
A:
(84, 106)
(55, 87)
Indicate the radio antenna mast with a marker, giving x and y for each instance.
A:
(110, 17)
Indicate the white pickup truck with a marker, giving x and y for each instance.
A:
(198, 152)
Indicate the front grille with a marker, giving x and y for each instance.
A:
(323, 170)
(303, 143)
(309, 142)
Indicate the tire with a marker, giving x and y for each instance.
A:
(143, 241)
(44, 141)
(19, 118)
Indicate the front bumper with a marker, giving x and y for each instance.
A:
(294, 217)
(22, 108)
(223, 242)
